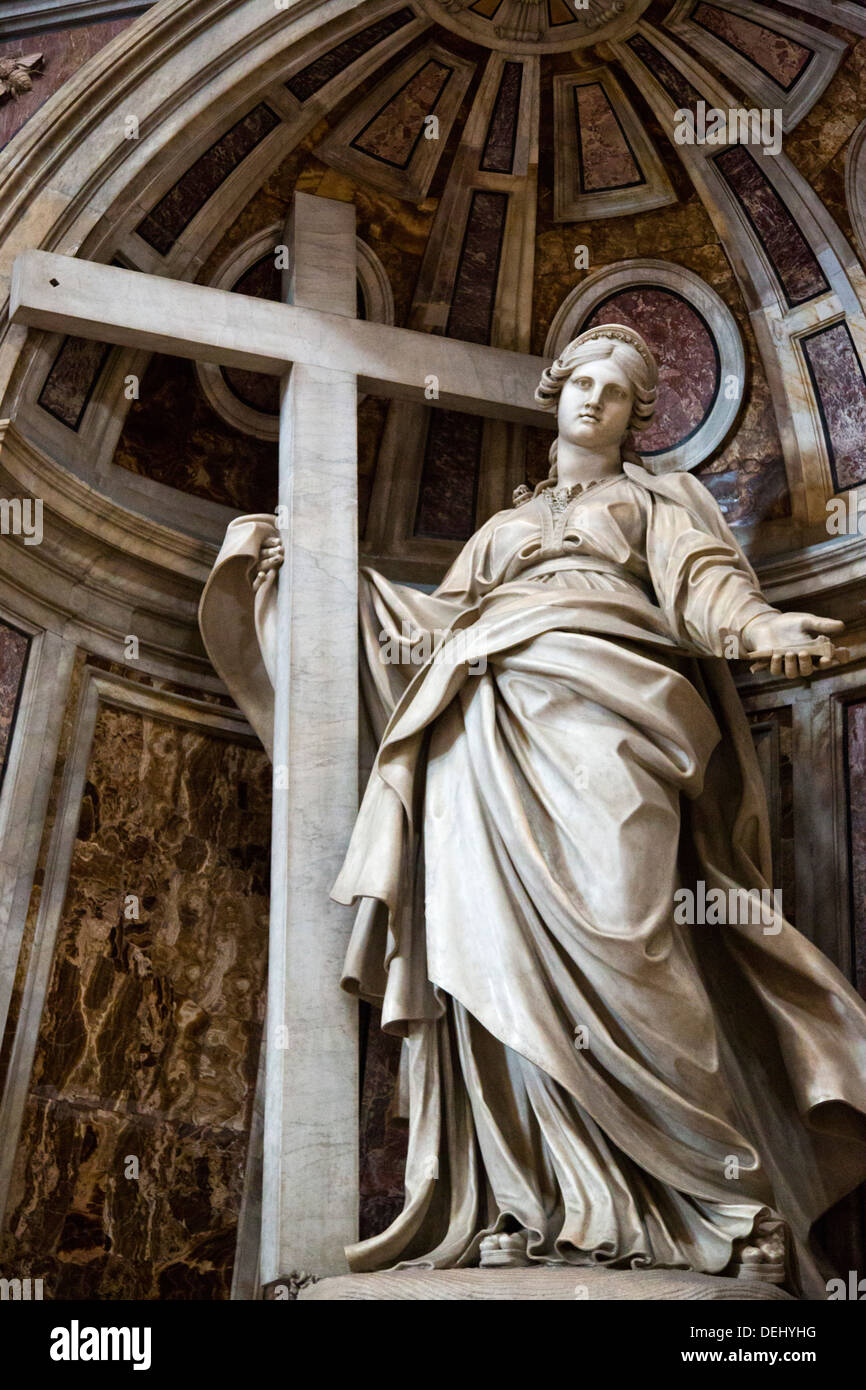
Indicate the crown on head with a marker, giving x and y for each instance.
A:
(620, 334)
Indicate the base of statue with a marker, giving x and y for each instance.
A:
(554, 1285)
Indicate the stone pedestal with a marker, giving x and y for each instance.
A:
(542, 1285)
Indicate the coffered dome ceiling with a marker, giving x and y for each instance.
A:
(516, 175)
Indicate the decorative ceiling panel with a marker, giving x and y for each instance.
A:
(605, 163)
(779, 62)
(394, 136)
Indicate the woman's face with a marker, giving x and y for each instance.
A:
(595, 405)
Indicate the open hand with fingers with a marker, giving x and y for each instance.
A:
(271, 556)
(792, 644)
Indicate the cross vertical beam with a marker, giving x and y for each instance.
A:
(310, 1179)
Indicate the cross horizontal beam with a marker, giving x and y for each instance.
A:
(67, 295)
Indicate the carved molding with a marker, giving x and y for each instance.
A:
(378, 304)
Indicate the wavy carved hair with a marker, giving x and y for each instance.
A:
(629, 352)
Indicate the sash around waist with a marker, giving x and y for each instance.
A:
(595, 563)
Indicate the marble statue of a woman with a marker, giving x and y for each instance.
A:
(592, 1074)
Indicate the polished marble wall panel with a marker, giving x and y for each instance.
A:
(606, 160)
(675, 84)
(840, 387)
(475, 283)
(175, 210)
(393, 134)
(498, 156)
(778, 55)
(790, 254)
(687, 357)
(449, 476)
(14, 646)
(315, 75)
(64, 52)
(149, 1040)
(72, 378)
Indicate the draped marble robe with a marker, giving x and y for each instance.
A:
(561, 748)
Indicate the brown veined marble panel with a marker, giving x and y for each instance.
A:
(71, 379)
(392, 135)
(150, 1035)
(175, 210)
(855, 776)
(780, 57)
(449, 476)
(173, 435)
(64, 52)
(14, 646)
(840, 386)
(687, 358)
(790, 254)
(605, 157)
(312, 78)
(471, 313)
(670, 77)
(498, 157)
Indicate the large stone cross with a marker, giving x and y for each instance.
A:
(324, 354)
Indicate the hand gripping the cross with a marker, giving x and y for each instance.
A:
(271, 557)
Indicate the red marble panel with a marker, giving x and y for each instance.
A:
(71, 379)
(781, 57)
(393, 133)
(855, 769)
(471, 314)
(149, 1040)
(64, 51)
(449, 476)
(165, 222)
(840, 385)
(312, 78)
(498, 157)
(687, 357)
(790, 254)
(14, 646)
(606, 160)
(670, 77)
